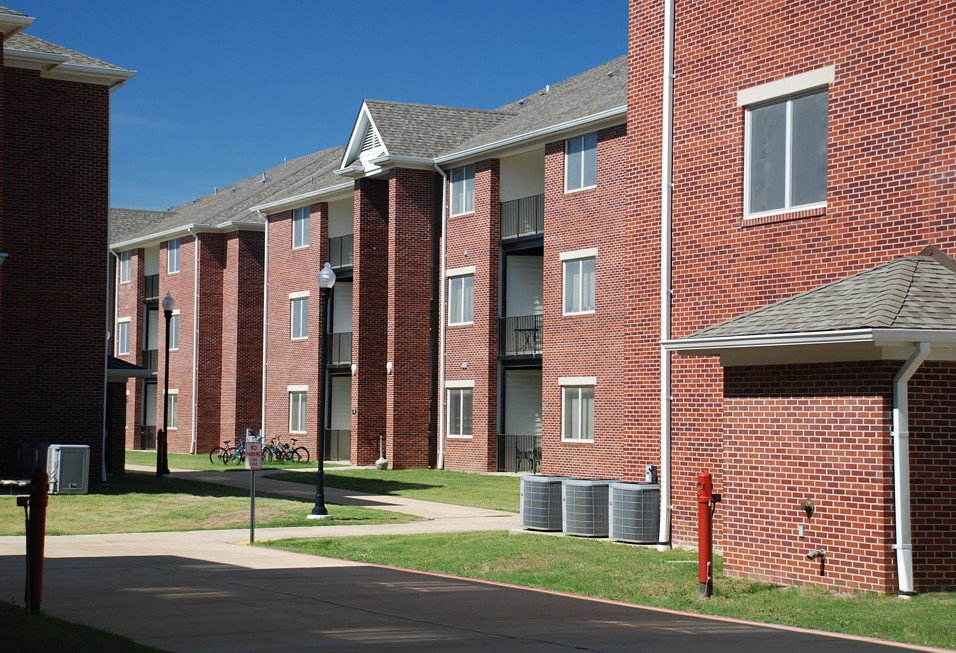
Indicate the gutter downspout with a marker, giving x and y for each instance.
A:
(901, 468)
(265, 324)
(195, 234)
(667, 158)
(440, 427)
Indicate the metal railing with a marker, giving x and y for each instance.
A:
(151, 359)
(151, 291)
(337, 444)
(519, 453)
(340, 251)
(147, 437)
(520, 335)
(341, 348)
(522, 217)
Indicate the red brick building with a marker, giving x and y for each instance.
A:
(54, 147)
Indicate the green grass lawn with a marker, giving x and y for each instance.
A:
(142, 503)
(200, 462)
(24, 633)
(442, 486)
(647, 577)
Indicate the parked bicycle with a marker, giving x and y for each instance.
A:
(282, 451)
(221, 454)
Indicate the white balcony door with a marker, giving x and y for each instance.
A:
(522, 396)
(524, 285)
(342, 307)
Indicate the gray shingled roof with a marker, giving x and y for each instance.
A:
(912, 292)
(30, 43)
(232, 202)
(12, 12)
(124, 223)
(424, 130)
(322, 175)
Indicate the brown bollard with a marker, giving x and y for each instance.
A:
(39, 487)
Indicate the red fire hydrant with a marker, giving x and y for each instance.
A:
(706, 504)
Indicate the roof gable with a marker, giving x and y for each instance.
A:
(365, 142)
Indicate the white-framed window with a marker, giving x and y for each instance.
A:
(461, 296)
(172, 407)
(577, 408)
(172, 256)
(460, 406)
(299, 314)
(122, 336)
(462, 189)
(580, 162)
(125, 266)
(300, 227)
(174, 330)
(578, 275)
(785, 162)
(297, 408)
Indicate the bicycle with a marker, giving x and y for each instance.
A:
(221, 454)
(283, 451)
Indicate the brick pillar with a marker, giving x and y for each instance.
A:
(369, 323)
(485, 256)
(212, 259)
(409, 391)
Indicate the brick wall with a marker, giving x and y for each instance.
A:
(55, 149)
(369, 318)
(209, 371)
(116, 420)
(409, 406)
(597, 344)
(294, 362)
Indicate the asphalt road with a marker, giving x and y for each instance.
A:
(188, 604)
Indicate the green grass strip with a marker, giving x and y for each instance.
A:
(24, 633)
(645, 576)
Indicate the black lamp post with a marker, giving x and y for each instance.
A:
(162, 460)
(326, 278)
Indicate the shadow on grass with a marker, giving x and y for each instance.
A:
(139, 483)
(369, 485)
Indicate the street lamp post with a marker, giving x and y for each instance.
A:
(162, 459)
(326, 278)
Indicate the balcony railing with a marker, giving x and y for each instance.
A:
(519, 453)
(337, 444)
(150, 359)
(522, 217)
(520, 335)
(151, 293)
(147, 437)
(340, 251)
(341, 348)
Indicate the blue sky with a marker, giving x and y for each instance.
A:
(226, 89)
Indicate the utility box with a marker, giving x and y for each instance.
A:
(68, 466)
(584, 505)
(635, 512)
(541, 503)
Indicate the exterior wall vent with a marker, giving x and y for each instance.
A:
(541, 502)
(584, 505)
(371, 140)
(634, 511)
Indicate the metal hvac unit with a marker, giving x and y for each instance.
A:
(69, 468)
(541, 502)
(635, 512)
(584, 504)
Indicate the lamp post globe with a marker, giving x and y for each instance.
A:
(162, 458)
(326, 279)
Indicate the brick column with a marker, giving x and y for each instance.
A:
(486, 255)
(410, 394)
(369, 323)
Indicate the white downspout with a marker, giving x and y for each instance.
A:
(265, 323)
(901, 468)
(667, 158)
(441, 322)
(192, 444)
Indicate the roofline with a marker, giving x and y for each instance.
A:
(568, 125)
(403, 161)
(57, 66)
(295, 201)
(877, 336)
(185, 230)
(11, 24)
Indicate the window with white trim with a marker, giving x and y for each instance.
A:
(174, 330)
(125, 267)
(580, 162)
(577, 412)
(172, 256)
(300, 227)
(461, 299)
(785, 167)
(462, 189)
(299, 310)
(122, 336)
(460, 412)
(579, 285)
(297, 406)
(172, 408)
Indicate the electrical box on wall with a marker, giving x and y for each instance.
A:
(68, 466)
